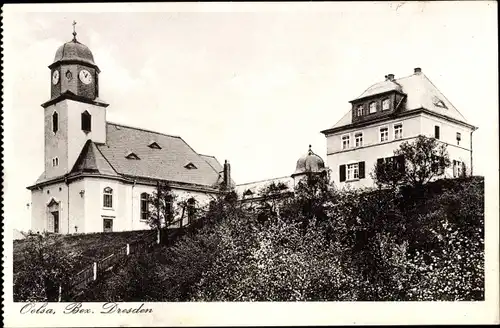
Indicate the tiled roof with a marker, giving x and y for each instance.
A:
(421, 93)
(92, 161)
(167, 163)
(381, 87)
(213, 162)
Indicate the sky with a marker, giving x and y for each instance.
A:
(251, 83)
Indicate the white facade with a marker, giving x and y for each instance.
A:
(373, 147)
(81, 209)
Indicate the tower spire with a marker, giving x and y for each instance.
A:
(74, 31)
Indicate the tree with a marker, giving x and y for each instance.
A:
(45, 267)
(415, 163)
(160, 207)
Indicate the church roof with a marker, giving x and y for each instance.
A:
(174, 160)
(91, 160)
(74, 51)
(421, 93)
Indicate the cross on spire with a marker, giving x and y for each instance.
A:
(74, 31)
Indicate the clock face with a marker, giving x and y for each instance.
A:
(85, 76)
(55, 77)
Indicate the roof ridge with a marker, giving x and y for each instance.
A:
(246, 183)
(207, 155)
(142, 129)
(107, 161)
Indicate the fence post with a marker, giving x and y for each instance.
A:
(158, 237)
(128, 249)
(95, 270)
(60, 293)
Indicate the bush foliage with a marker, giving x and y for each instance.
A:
(398, 244)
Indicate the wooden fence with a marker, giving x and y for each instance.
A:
(99, 267)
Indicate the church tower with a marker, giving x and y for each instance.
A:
(74, 113)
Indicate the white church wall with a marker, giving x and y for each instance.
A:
(40, 212)
(76, 206)
(77, 137)
(55, 143)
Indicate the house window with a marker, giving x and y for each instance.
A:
(55, 122)
(107, 225)
(458, 169)
(358, 138)
(55, 161)
(107, 199)
(86, 122)
(191, 209)
(459, 137)
(398, 131)
(352, 171)
(436, 131)
(144, 206)
(360, 110)
(385, 104)
(373, 107)
(345, 142)
(384, 134)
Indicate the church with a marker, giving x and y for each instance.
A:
(99, 175)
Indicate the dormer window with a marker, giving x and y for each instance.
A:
(190, 166)
(247, 193)
(359, 110)
(86, 122)
(55, 122)
(373, 107)
(154, 145)
(439, 103)
(131, 156)
(385, 104)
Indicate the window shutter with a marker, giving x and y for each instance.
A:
(361, 166)
(401, 163)
(342, 173)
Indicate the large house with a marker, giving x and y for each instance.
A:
(99, 175)
(385, 115)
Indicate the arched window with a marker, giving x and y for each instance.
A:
(107, 197)
(144, 206)
(86, 121)
(55, 122)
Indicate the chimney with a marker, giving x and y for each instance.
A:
(417, 70)
(389, 77)
(227, 175)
